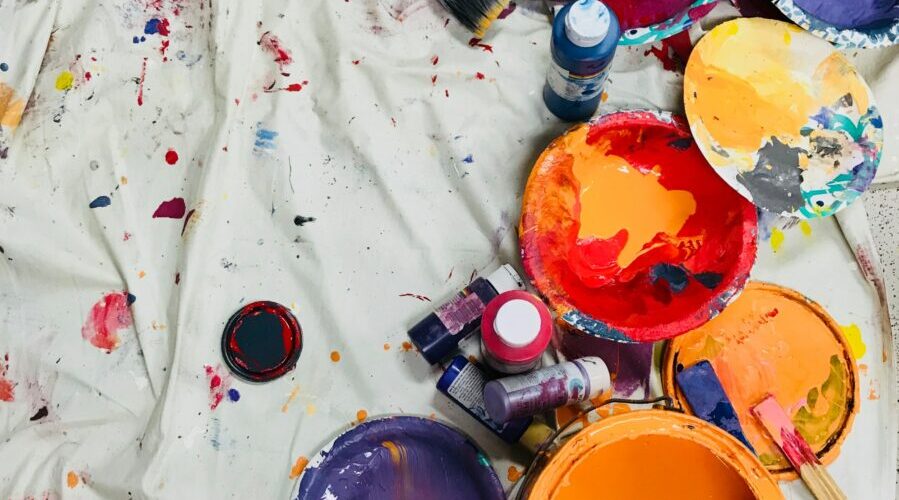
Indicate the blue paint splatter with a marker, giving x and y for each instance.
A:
(131, 299)
(100, 202)
(152, 27)
(468, 159)
(675, 276)
(265, 139)
(4, 66)
(233, 395)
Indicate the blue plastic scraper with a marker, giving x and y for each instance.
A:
(708, 400)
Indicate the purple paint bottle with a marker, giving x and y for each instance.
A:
(545, 389)
(437, 336)
(463, 382)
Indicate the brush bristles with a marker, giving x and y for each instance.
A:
(476, 15)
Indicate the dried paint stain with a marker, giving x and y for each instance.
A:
(7, 387)
(219, 385)
(109, 315)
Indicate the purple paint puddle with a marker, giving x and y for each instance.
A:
(401, 457)
(171, 209)
(852, 14)
(629, 364)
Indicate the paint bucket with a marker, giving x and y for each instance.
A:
(774, 340)
(400, 457)
(651, 454)
(262, 341)
(629, 234)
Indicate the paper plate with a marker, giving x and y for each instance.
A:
(772, 340)
(400, 457)
(628, 233)
(639, 35)
(653, 454)
(783, 117)
(879, 35)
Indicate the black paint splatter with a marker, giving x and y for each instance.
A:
(775, 181)
(301, 220)
(681, 144)
(43, 412)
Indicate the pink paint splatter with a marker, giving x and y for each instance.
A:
(126, 236)
(109, 315)
(171, 209)
(140, 88)
(7, 388)
(272, 45)
(219, 383)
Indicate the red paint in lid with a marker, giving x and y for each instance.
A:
(262, 341)
(516, 328)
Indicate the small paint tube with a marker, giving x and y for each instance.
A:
(463, 382)
(515, 330)
(551, 387)
(437, 336)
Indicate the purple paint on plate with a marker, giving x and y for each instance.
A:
(401, 457)
(629, 363)
(851, 14)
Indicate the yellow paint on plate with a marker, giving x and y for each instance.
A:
(853, 335)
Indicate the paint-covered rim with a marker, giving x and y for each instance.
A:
(844, 38)
(830, 450)
(571, 316)
(669, 27)
(292, 336)
(636, 424)
(448, 439)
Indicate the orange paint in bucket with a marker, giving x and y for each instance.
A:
(650, 455)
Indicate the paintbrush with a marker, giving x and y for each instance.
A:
(797, 450)
(476, 15)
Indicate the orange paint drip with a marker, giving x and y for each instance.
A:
(361, 415)
(514, 474)
(407, 346)
(298, 467)
(386, 346)
(335, 356)
(71, 479)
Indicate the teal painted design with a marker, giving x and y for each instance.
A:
(656, 32)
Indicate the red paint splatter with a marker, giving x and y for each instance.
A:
(356, 62)
(163, 48)
(293, 87)
(446, 92)
(476, 42)
(219, 383)
(636, 14)
(7, 388)
(433, 79)
(109, 315)
(435, 60)
(673, 51)
(422, 298)
(163, 27)
(171, 209)
(446, 22)
(187, 219)
(772, 313)
(393, 121)
(236, 101)
(272, 45)
(171, 157)
(87, 75)
(154, 4)
(479, 75)
(177, 278)
(140, 88)
(126, 236)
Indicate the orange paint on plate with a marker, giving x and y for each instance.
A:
(653, 454)
(772, 340)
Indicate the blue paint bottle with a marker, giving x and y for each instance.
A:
(585, 35)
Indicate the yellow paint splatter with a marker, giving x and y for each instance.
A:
(290, 398)
(71, 479)
(65, 80)
(806, 228)
(604, 97)
(514, 474)
(361, 415)
(853, 335)
(335, 356)
(777, 239)
(298, 467)
(123, 180)
(310, 409)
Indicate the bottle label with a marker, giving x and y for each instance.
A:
(461, 310)
(468, 390)
(547, 388)
(574, 87)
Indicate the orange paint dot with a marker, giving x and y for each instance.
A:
(514, 474)
(335, 356)
(71, 479)
(407, 346)
(298, 467)
(386, 346)
(361, 415)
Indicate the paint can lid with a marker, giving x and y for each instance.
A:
(597, 373)
(262, 341)
(516, 327)
(587, 23)
(505, 279)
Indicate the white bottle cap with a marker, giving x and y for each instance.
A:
(505, 279)
(597, 373)
(587, 23)
(517, 323)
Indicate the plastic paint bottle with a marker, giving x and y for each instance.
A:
(585, 35)
(515, 330)
(463, 382)
(437, 336)
(512, 398)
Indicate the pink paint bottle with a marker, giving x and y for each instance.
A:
(515, 330)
